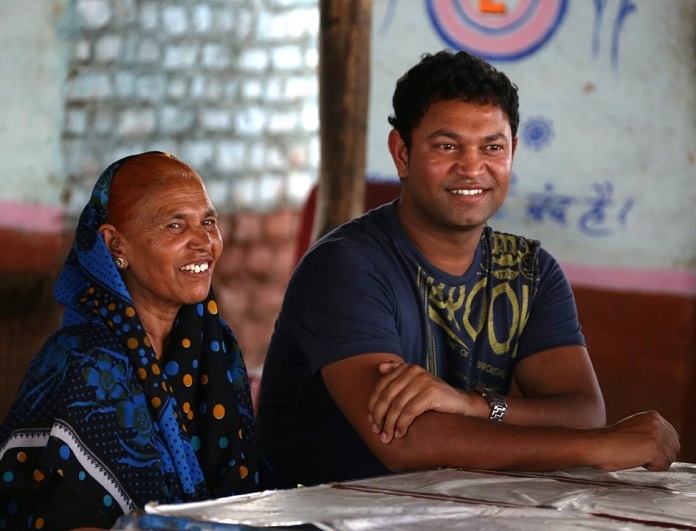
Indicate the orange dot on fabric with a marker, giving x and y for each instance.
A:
(39, 523)
(219, 411)
(142, 373)
(90, 290)
(21, 457)
(204, 379)
(111, 307)
(156, 402)
(186, 407)
(243, 471)
(155, 369)
(239, 433)
(188, 380)
(212, 307)
(38, 475)
(189, 415)
(186, 343)
(60, 472)
(147, 342)
(132, 343)
(130, 311)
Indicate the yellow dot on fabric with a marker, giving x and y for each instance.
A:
(147, 342)
(243, 471)
(155, 369)
(204, 379)
(60, 472)
(156, 402)
(142, 373)
(130, 312)
(239, 433)
(186, 407)
(186, 343)
(111, 307)
(38, 475)
(132, 343)
(90, 290)
(219, 411)
(188, 380)
(39, 523)
(212, 307)
(22, 457)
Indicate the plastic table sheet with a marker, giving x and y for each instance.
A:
(444, 499)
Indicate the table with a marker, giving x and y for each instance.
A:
(447, 499)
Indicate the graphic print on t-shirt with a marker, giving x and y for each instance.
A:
(481, 319)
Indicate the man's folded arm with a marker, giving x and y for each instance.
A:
(443, 439)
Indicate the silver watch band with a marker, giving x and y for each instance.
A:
(495, 402)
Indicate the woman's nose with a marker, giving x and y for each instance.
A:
(202, 238)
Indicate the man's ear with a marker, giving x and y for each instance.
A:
(399, 153)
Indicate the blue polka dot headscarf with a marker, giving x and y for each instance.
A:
(99, 414)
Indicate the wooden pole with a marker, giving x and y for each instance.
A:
(344, 86)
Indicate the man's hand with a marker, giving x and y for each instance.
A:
(644, 439)
(406, 391)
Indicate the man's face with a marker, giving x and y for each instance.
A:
(457, 172)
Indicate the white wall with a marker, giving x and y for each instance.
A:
(31, 76)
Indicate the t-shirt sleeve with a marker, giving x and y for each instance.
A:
(553, 321)
(339, 303)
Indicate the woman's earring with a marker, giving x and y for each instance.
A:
(120, 263)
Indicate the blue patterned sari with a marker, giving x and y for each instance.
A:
(101, 421)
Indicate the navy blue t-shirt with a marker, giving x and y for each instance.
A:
(367, 288)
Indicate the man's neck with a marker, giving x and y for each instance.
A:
(451, 251)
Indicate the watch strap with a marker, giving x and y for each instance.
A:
(495, 402)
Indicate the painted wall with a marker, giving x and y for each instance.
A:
(31, 75)
(605, 173)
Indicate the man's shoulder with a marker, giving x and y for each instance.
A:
(372, 230)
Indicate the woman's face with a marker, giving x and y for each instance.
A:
(171, 245)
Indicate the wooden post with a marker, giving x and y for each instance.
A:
(344, 86)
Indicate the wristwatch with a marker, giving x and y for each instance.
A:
(495, 401)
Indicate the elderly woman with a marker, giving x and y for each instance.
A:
(142, 394)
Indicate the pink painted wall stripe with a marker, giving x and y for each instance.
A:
(31, 217)
(672, 281)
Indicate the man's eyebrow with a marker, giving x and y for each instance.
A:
(454, 136)
(496, 136)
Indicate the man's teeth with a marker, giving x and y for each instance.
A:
(468, 192)
(196, 268)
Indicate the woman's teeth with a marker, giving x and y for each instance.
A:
(196, 268)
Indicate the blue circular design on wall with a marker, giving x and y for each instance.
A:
(520, 27)
(537, 133)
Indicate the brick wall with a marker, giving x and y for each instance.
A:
(229, 86)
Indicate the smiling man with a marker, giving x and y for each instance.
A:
(417, 336)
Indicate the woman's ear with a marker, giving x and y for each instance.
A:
(111, 238)
(399, 153)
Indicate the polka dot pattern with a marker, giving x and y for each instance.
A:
(158, 429)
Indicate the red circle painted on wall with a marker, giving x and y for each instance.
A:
(497, 29)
